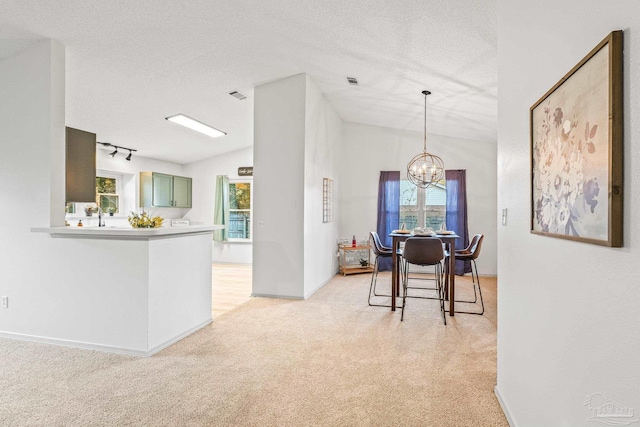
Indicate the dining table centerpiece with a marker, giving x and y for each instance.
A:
(144, 220)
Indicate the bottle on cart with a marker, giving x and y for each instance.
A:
(353, 241)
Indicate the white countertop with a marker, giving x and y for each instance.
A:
(126, 232)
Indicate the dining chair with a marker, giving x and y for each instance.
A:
(423, 251)
(471, 253)
(380, 251)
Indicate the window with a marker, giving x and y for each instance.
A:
(420, 208)
(107, 194)
(240, 210)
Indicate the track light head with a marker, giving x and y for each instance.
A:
(116, 147)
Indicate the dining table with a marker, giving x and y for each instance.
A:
(449, 240)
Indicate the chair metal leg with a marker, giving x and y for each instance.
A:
(376, 283)
(372, 286)
(441, 293)
(474, 266)
(426, 289)
(439, 289)
(404, 289)
(473, 280)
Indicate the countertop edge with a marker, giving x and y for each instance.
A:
(125, 233)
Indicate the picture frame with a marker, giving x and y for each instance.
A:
(576, 142)
(327, 200)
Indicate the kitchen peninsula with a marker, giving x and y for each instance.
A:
(131, 291)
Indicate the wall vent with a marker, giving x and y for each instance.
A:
(352, 81)
(237, 94)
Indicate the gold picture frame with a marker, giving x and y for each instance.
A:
(576, 132)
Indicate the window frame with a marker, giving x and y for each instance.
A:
(119, 178)
(249, 181)
(421, 204)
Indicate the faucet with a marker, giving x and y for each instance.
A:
(100, 221)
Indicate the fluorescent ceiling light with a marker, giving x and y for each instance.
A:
(193, 124)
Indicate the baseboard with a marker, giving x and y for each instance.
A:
(73, 344)
(244, 264)
(177, 338)
(318, 287)
(277, 296)
(99, 347)
(503, 405)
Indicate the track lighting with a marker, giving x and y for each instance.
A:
(115, 151)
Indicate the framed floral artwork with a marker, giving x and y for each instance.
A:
(576, 151)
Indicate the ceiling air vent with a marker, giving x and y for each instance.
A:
(239, 95)
(352, 81)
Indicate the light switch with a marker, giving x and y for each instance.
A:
(504, 216)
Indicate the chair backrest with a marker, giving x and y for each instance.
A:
(476, 245)
(377, 247)
(423, 250)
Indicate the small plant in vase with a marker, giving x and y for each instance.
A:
(364, 263)
(144, 220)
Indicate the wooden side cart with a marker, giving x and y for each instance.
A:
(350, 257)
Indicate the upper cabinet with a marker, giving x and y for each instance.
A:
(164, 191)
(80, 183)
(181, 192)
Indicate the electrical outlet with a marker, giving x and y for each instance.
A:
(5, 302)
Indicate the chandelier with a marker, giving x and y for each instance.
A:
(425, 169)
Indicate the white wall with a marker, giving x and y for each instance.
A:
(367, 150)
(567, 312)
(32, 173)
(204, 190)
(322, 143)
(278, 209)
(297, 135)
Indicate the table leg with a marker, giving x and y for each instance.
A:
(446, 274)
(394, 275)
(452, 278)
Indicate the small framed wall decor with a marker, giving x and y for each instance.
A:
(577, 151)
(327, 200)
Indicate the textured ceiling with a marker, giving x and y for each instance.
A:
(130, 64)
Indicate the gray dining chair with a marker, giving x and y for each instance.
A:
(423, 251)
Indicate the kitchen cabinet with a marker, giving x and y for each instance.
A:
(164, 191)
(80, 166)
(181, 192)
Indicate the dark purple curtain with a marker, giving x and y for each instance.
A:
(456, 216)
(388, 211)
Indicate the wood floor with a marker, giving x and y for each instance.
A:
(231, 287)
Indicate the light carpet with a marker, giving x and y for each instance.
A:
(330, 360)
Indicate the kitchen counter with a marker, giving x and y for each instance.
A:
(128, 290)
(126, 232)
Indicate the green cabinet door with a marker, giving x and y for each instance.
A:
(181, 192)
(162, 190)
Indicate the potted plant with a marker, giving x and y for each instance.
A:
(364, 263)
